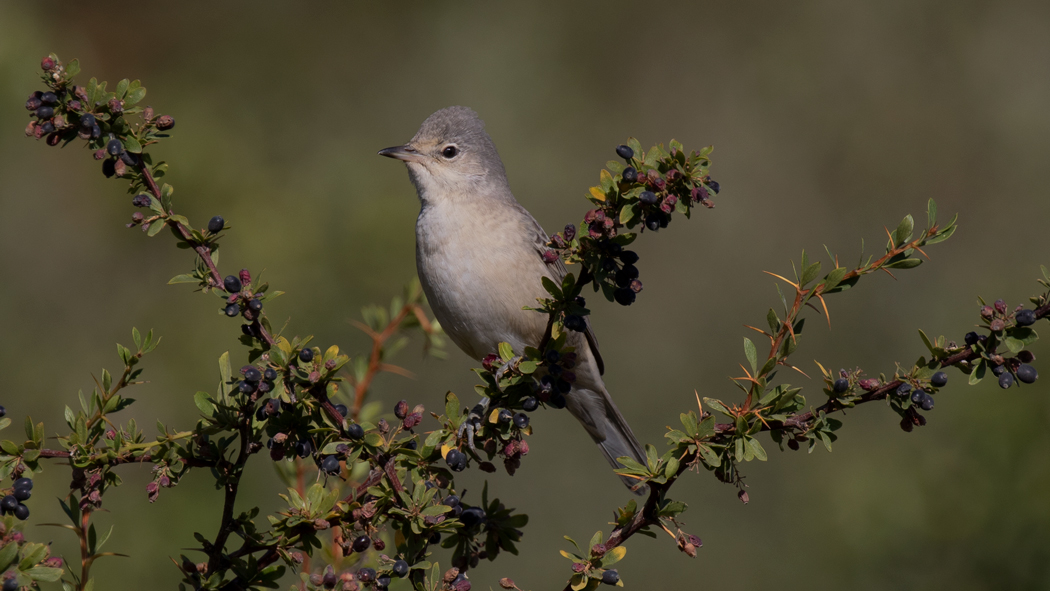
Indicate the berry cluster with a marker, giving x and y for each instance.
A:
(13, 502)
(241, 300)
(1005, 325)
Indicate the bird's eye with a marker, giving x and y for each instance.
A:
(449, 152)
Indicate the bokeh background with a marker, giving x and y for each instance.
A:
(830, 120)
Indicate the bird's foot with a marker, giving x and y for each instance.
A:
(505, 367)
(472, 422)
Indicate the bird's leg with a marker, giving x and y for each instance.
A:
(473, 422)
(506, 366)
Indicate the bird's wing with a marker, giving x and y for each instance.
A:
(557, 271)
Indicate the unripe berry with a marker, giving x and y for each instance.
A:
(1000, 306)
(401, 409)
(47, 64)
(165, 122)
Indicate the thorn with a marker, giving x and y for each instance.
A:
(923, 253)
(781, 278)
(825, 305)
(888, 272)
(758, 330)
(796, 369)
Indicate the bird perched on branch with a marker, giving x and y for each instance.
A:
(479, 254)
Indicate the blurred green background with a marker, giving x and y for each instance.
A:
(829, 119)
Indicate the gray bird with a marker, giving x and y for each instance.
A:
(479, 257)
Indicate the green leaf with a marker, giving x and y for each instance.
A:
(7, 555)
(506, 352)
(752, 354)
(184, 278)
(204, 403)
(931, 213)
(131, 145)
(905, 264)
(904, 231)
(978, 372)
(810, 273)
(135, 95)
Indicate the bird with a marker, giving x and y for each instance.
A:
(479, 256)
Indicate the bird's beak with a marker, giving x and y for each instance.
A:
(404, 153)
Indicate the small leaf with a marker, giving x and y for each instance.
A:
(752, 354)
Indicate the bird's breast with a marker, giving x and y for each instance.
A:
(478, 269)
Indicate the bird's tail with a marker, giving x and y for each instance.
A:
(609, 429)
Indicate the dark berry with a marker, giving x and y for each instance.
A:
(232, 310)
(33, 103)
(647, 198)
(793, 444)
(610, 577)
(87, 121)
(114, 147)
(903, 390)
(304, 448)
(260, 414)
(970, 338)
(552, 356)
(401, 568)
(1027, 374)
(8, 503)
(917, 396)
(939, 379)
(96, 131)
(927, 402)
(521, 420)
(306, 355)
(252, 374)
(11, 584)
(141, 201)
(330, 580)
(401, 409)
(434, 538)
(450, 501)
(576, 323)
(24, 483)
(557, 400)
(629, 257)
(472, 516)
(330, 465)
(45, 112)
(366, 575)
(255, 305)
(362, 543)
(355, 432)
(624, 152)
(246, 387)
(998, 369)
(22, 493)
(382, 581)
(232, 283)
(3, 412)
(530, 404)
(715, 187)
(505, 416)
(1006, 380)
(273, 406)
(624, 296)
(1025, 317)
(630, 175)
(47, 127)
(216, 224)
(270, 373)
(456, 460)
(840, 385)
(652, 222)
(21, 512)
(342, 410)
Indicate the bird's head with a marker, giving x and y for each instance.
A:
(451, 156)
